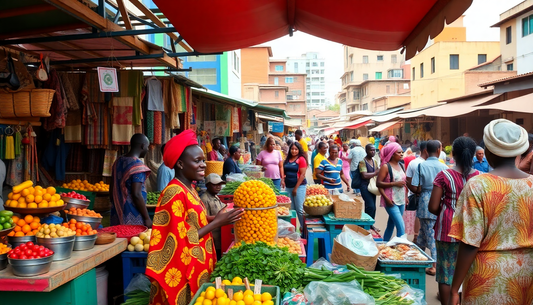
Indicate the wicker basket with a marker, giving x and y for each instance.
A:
(26, 103)
(318, 211)
(341, 255)
(214, 167)
(348, 209)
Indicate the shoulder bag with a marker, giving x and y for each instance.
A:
(372, 186)
(413, 198)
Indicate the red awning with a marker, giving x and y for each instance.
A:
(357, 125)
(224, 25)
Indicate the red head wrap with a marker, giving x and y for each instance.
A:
(175, 147)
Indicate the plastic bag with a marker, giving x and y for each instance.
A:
(291, 236)
(359, 244)
(345, 197)
(398, 241)
(138, 282)
(322, 262)
(235, 177)
(285, 228)
(294, 298)
(413, 294)
(324, 293)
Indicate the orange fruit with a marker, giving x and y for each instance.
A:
(25, 192)
(36, 219)
(15, 218)
(30, 198)
(19, 233)
(12, 233)
(34, 225)
(21, 222)
(22, 200)
(51, 190)
(47, 197)
(43, 204)
(32, 205)
(38, 193)
(26, 228)
(15, 197)
(28, 219)
(10, 195)
(32, 190)
(38, 199)
(73, 221)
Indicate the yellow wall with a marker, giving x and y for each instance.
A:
(451, 34)
(445, 83)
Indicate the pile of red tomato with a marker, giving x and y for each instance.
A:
(74, 195)
(29, 251)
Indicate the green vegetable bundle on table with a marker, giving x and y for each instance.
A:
(152, 197)
(232, 186)
(273, 265)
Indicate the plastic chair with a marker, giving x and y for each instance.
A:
(324, 245)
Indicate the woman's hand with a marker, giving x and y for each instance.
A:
(400, 183)
(294, 191)
(348, 189)
(389, 202)
(454, 298)
(282, 183)
(332, 180)
(148, 222)
(225, 217)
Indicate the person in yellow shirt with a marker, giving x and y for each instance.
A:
(322, 149)
(299, 137)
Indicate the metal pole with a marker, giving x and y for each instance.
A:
(104, 59)
(182, 54)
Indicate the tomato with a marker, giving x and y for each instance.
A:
(16, 251)
(23, 247)
(38, 256)
(23, 257)
(41, 248)
(31, 257)
(28, 252)
(29, 244)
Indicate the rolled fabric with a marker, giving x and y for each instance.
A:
(175, 147)
(388, 150)
(505, 138)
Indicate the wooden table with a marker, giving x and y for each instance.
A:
(71, 281)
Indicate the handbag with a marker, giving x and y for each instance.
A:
(12, 79)
(372, 187)
(412, 205)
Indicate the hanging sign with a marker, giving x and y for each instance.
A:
(275, 127)
(107, 78)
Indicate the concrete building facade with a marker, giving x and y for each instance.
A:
(314, 66)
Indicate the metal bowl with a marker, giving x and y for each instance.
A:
(4, 232)
(62, 246)
(3, 259)
(35, 211)
(93, 221)
(84, 242)
(31, 267)
(76, 203)
(16, 241)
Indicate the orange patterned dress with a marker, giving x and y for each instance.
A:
(495, 214)
(179, 262)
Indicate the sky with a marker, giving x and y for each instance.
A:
(478, 19)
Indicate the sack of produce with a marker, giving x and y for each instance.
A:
(337, 293)
(342, 255)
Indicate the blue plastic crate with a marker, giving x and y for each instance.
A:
(132, 263)
(413, 275)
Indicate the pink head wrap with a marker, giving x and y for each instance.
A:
(392, 139)
(388, 150)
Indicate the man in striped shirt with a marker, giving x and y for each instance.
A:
(330, 171)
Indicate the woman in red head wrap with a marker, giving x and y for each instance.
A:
(182, 253)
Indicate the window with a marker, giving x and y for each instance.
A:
(378, 75)
(510, 67)
(276, 81)
(314, 64)
(508, 35)
(395, 73)
(351, 59)
(365, 76)
(481, 58)
(322, 64)
(322, 93)
(276, 94)
(393, 58)
(527, 25)
(413, 73)
(356, 94)
(351, 76)
(346, 55)
(422, 70)
(295, 67)
(365, 59)
(380, 57)
(279, 68)
(202, 58)
(365, 106)
(388, 89)
(307, 64)
(204, 76)
(289, 80)
(432, 65)
(454, 61)
(236, 62)
(315, 93)
(321, 71)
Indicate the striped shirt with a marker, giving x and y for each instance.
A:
(331, 170)
(451, 182)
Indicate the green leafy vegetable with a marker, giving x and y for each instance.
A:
(273, 265)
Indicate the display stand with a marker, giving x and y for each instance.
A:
(334, 225)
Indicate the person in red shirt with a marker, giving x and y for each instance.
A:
(410, 157)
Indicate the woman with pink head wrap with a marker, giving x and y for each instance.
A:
(391, 184)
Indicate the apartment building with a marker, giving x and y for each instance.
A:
(312, 64)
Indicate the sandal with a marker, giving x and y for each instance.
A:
(431, 271)
(415, 239)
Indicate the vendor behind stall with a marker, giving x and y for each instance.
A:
(128, 191)
(231, 163)
(182, 253)
(213, 205)
(214, 154)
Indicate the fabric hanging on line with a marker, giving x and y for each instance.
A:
(18, 143)
(73, 128)
(122, 129)
(188, 106)
(10, 148)
(109, 159)
(96, 134)
(96, 161)
(58, 109)
(163, 129)
(76, 160)
(131, 84)
(71, 86)
(150, 126)
(158, 125)
(15, 174)
(55, 154)
(155, 94)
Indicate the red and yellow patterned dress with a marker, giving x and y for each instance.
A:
(179, 262)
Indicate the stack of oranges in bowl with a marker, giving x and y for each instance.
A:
(84, 185)
(27, 226)
(34, 197)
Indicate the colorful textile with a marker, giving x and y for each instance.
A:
(331, 170)
(71, 85)
(175, 147)
(495, 214)
(426, 236)
(109, 159)
(388, 150)
(395, 193)
(73, 129)
(58, 109)
(122, 120)
(424, 177)
(409, 218)
(131, 84)
(451, 182)
(75, 159)
(158, 125)
(292, 171)
(179, 261)
(446, 258)
(95, 114)
(150, 126)
(127, 170)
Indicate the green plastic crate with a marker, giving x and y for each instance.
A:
(273, 290)
(413, 275)
(90, 195)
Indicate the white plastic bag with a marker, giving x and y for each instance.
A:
(399, 241)
(236, 177)
(359, 244)
(285, 228)
(345, 197)
(138, 282)
(333, 293)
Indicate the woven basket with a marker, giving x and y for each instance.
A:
(214, 167)
(341, 255)
(348, 209)
(26, 103)
(318, 211)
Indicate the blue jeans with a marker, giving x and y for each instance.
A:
(297, 202)
(395, 220)
(370, 201)
(355, 191)
(277, 183)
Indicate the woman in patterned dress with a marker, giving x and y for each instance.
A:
(494, 223)
(182, 252)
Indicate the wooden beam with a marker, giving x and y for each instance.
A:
(43, 30)
(81, 12)
(20, 11)
(158, 21)
(124, 13)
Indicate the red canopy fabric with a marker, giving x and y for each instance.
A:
(224, 25)
(356, 126)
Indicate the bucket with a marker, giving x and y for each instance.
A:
(101, 285)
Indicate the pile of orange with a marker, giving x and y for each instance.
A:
(256, 224)
(4, 249)
(81, 228)
(27, 226)
(83, 212)
(34, 197)
(84, 185)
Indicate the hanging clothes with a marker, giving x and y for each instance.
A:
(155, 94)
(158, 125)
(73, 129)
(109, 159)
(55, 155)
(150, 126)
(122, 129)
(131, 84)
(58, 110)
(71, 87)
(10, 148)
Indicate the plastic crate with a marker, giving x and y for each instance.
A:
(132, 263)
(225, 198)
(273, 290)
(90, 195)
(413, 275)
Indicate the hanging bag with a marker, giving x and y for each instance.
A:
(372, 185)
(41, 74)
(12, 80)
(412, 205)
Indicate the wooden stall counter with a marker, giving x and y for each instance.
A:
(62, 272)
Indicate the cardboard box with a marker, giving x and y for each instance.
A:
(348, 209)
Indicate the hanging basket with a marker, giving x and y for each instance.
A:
(213, 167)
(26, 103)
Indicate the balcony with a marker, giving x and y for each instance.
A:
(294, 97)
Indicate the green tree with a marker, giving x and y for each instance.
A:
(335, 107)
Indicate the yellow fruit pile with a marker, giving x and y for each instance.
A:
(27, 196)
(256, 225)
(84, 185)
(212, 296)
(294, 246)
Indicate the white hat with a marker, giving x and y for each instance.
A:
(213, 179)
(505, 138)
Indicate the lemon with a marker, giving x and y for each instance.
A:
(226, 282)
(257, 297)
(240, 303)
(200, 299)
(219, 293)
(248, 292)
(207, 302)
(257, 303)
(209, 294)
(268, 303)
(266, 297)
(238, 296)
(248, 299)
(237, 281)
(232, 302)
